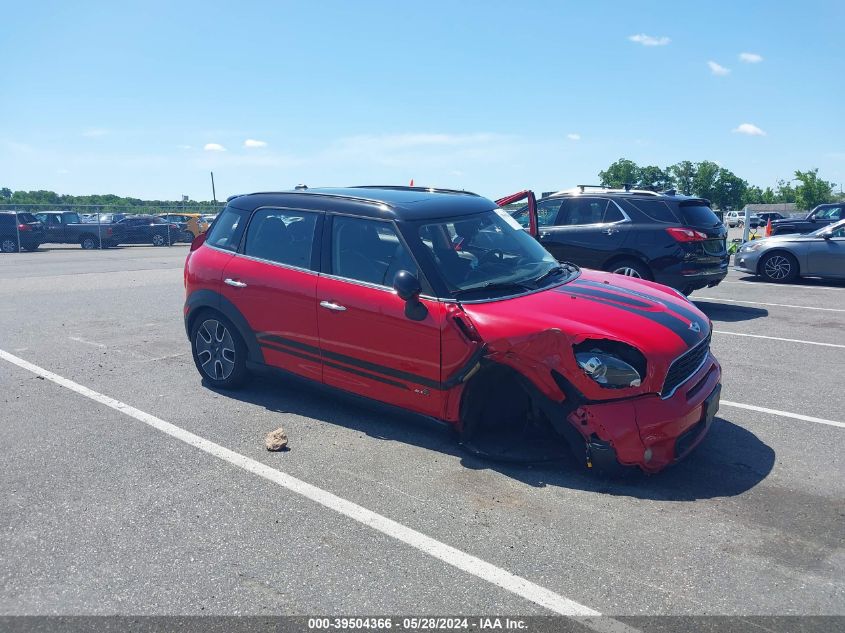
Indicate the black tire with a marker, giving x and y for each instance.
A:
(187, 237)
(159, 240)
(779, 267)
(8, 245)
(218, 351)
(89, 242)
(630, 268)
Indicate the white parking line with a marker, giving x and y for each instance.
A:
(456, 558)
(785, 414)
(791, 286)
(778, 338)
(759, 303)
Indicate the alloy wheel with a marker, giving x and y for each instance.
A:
(8, 246)
(628, 272)
(777, 267)
(215, 349)
(158, 240)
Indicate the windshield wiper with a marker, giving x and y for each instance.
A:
(493, 285)
(554, 270)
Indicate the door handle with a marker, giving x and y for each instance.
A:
(611, 231)
(544, 234)
(235, 283)
(332, 306)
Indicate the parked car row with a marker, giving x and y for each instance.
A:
(27, 231)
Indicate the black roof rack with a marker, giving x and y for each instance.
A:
(426, 189)
(582, 187)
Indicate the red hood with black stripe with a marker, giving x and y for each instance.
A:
(542, 327)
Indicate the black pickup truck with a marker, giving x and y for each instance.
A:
(66, 227)
(819, 217)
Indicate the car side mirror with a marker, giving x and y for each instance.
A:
(407, 286)
(826, 236)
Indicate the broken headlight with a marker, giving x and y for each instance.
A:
(611, 364)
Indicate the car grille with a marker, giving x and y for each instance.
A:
(685, 366)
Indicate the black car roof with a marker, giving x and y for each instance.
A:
(378, 201)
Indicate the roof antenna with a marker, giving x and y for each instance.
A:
(301, 187)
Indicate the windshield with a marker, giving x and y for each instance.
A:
(489, 253)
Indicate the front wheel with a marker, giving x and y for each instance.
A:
(159, 240)
(778, 268)
(88, 242)
(218, 351)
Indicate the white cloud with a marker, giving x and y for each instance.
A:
(213, 147)
(748, 128)
(95, 132)
(251, 142)
(649, 40)
(717, 69)
(573, 137)
(750, 58)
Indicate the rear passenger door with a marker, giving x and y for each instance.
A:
(272, 281)
(369, 345)
(587, 230)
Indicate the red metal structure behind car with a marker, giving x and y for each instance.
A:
(439, 303)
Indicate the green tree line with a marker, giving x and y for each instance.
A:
(721, 186)
(9, 197)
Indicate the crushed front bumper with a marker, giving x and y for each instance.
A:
(648, 431)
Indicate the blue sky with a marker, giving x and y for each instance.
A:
(145, 98)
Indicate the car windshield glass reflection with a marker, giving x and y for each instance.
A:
(489, 253)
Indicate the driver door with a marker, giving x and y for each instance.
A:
(369, 345)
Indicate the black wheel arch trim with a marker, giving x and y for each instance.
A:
(201, 299)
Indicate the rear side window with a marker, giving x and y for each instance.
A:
(698, 214)
(282, 236)
(27, 217)
(655, 209)
(227, 231)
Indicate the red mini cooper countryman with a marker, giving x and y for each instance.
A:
(438, 302)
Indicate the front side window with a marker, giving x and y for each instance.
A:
(485, 253)
(227, 231)
(369, 251)
(282, 236)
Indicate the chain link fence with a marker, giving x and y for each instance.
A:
(28, 227)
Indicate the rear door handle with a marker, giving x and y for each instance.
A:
(332, 306)
(235, 283)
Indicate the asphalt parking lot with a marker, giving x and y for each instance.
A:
(104, 513)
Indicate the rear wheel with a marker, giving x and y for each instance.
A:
(159, 240)
(88, 242)
(187, 237)
(218, 351)
(8, 245)
(778, 267)
(630, 268)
